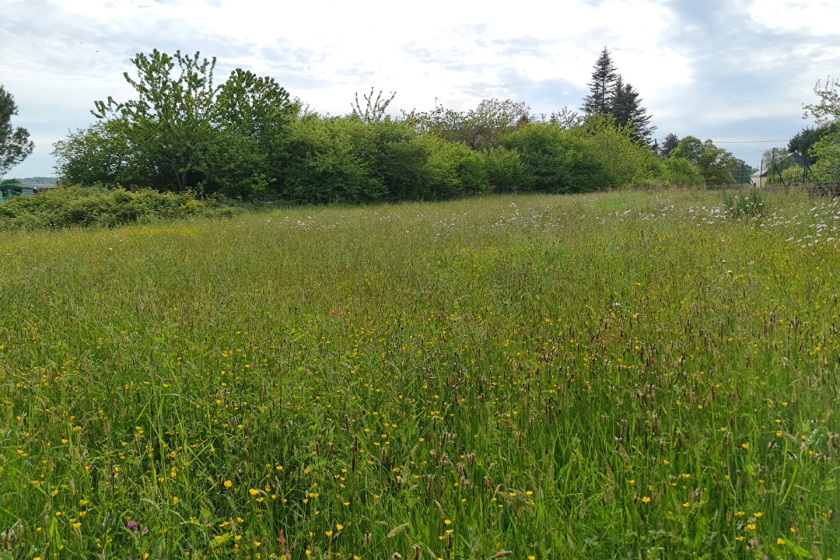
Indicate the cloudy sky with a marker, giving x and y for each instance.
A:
(729, 70)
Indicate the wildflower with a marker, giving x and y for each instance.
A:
(447, 522)
(780, 540)
(228, 483)
(751, 526)
(131, 525)
(758, 514)
(645, 499)
(328, 533)
(339, 526)
(253, 491)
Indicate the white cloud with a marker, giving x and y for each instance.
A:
(68, 53)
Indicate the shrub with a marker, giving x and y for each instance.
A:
(628, 162)
(557, 161)
(681, 172)
(328, 160)
(102, 207)
(504, 169)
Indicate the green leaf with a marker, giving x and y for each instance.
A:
(798, 550)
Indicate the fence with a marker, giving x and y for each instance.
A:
(812, 189)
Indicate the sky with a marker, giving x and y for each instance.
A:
(734, 71)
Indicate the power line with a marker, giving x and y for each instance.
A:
(748, 141)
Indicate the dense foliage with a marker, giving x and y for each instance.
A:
(15, 144)
(245, 139)
(97, 206)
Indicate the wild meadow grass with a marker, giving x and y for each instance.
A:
(617, 375)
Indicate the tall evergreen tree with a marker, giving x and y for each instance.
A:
(608, 94)
(668, 144)
(602, 86)
(627, 109)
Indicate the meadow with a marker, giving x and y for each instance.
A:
(640, 374)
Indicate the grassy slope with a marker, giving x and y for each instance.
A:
(561, 377)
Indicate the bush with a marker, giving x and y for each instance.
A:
(681, 172)
(102, 207)
(557, 161)
(504, 169)
(328, 160)
(628, 162)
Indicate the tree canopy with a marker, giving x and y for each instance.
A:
(245, 138)
(15, 144)
(715, 164)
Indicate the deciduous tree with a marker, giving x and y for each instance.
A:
(15, 144)
(716, 164)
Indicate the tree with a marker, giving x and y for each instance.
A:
(715, 164)
(482, 127)
(374, 110)
(827, 152)
(183, 131)
(15, 145)
(171, 121)
(602, 86)
(668, 144)
(827, 110)
(628, 110)
(805, 139)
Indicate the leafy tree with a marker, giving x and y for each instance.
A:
(602, 86)
(827, 152)
(478, 128)
(668, 144)
(99, 154)
(183, 131)
(15, 145)
(715, 164)
(171, 122)
(827, 110)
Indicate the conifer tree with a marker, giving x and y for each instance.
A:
(602, 86)
(627, 109)
(668, 144)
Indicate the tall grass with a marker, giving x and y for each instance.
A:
(623, 375)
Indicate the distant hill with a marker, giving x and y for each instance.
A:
(38, 182)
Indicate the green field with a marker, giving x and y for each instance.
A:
(615, 375)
